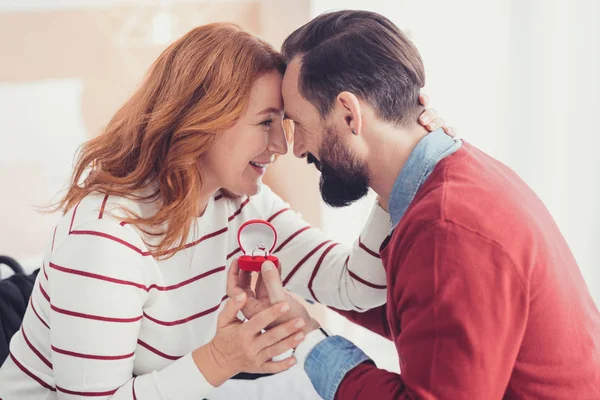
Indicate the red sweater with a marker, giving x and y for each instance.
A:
(485, 299)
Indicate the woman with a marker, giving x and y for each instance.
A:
(127, 304)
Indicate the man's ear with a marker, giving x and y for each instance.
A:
(350, 112)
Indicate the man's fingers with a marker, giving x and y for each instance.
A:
(272, 282)
(424, 100)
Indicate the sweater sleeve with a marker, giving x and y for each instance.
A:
(460, 307)
(319, 269)
(374, 320)
(97, 292)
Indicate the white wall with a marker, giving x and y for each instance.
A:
(43, 117)
(45, 5)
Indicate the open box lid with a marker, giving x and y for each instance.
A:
(254, 233)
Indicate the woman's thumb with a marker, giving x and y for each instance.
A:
(233, 306)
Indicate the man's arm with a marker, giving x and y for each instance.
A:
(460, 307)
(374, 319)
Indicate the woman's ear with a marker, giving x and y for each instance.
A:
(350, 112)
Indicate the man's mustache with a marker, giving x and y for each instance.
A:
(311, 159)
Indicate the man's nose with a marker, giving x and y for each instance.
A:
(299, 148)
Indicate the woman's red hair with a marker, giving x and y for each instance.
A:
(198, 87)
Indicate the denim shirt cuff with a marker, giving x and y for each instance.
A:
(329, 362)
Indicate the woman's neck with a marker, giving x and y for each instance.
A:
(205, 198)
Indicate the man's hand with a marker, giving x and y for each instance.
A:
(269, 291)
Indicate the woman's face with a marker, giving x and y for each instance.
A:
(240, 156)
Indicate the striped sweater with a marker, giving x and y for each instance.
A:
(107, 320)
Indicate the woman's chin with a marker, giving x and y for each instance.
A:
(249, 188)
(254, 189)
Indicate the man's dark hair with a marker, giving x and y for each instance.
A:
(361, 52)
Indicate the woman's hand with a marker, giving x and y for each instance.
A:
(243, 347)
(269, 290)
(430, 120)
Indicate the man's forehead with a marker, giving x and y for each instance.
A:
(290, 78)
(289, 87)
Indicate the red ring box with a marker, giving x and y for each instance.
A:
(250, 236)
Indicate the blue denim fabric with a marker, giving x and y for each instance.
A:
(329, 362)
(420, 164)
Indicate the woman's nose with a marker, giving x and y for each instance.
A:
(278, 143)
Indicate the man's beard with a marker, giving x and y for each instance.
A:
(344, 178)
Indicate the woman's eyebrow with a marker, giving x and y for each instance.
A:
(269, 110)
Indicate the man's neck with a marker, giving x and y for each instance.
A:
(389, 150)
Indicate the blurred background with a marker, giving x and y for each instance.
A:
(517, 78)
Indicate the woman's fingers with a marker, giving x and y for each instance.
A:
(238, 279)
(274, 367)
(427, 116)
(436, 123)
(282, 346)
(271, 280)
(232, 308)
(450, 130)
(278, 333)
(430, 120)
(253, 307)
(260, 321)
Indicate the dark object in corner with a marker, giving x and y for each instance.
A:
(14, 296)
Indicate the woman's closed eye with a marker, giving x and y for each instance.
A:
(267, 123)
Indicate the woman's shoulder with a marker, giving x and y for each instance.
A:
(100, 206)
(103, 215)
(90, 239)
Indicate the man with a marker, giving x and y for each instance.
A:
(485, 300)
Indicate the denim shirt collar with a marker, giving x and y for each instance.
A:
(420, 164)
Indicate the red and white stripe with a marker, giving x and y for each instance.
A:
(103, 307)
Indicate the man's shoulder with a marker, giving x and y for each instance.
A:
(473, 190)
